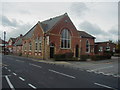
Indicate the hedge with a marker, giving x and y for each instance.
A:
(66, 57)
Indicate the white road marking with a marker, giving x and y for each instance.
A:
(10, 84)
(15, 74)
(32, 86)
(103, 86)
(115, 76)
(5, 75)
(35, 65)
(100, 72)
(101, 68)
(89, 71)
(62, 73)
(19, 60)
(21, 78)
(9, 70)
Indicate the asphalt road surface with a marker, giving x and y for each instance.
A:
(25, 73)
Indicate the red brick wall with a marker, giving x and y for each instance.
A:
(55, 35)
(38, 32)
(104, 45)
(83, 46)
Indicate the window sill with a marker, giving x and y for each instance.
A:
(36, 51)
(65, 48)
(40, 51)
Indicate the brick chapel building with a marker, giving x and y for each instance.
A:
(56, 35)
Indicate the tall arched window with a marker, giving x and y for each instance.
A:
(65, 39)
(87, 46)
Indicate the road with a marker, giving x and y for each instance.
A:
(22, 72)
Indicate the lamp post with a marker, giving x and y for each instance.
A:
(4, 41)
(80, 49)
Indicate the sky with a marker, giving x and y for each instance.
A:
(99, 19)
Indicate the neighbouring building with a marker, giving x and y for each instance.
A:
(3, 45)
(86, 43)
(11, 41)
(56, 35)
(101, 47)
(17, 46)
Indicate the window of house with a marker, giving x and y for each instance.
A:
(100, 49)
(36, 44)
(87, 46)
(30, 46)
(113, 49)
(107, 48)
(65, 39)
(40, 44)
(25, 46)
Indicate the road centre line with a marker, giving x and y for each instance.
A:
(104, 86)
(32, 86)
(9, 70)
(35, 65)
(62, 73)
(15, 74)
(19, 60)
(21, 78)
(10, 84)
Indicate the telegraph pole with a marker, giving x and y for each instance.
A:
(4, 41)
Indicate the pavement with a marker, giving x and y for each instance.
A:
(106, 67)
(21, 72)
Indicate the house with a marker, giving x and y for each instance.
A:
(86, 43)
(57, 35)
(101, 47)
(17, 46)
(11, 41)
(3, 45)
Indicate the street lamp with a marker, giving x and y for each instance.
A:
(4, 41)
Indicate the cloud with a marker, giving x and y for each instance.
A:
(114, 30)
(22, 29)
(13, 27)
(91, 28)
(7, 22)
(78, 8)
(100, 34)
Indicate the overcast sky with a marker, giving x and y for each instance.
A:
(99, 19)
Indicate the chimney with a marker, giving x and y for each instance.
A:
(21, 35)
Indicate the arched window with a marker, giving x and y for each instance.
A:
(87, 46)
(65, 39)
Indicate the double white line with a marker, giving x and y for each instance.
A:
(62, 74)
(35, 65)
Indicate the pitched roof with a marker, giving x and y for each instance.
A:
(18, 42)
(46, 25)
(13, 39)
(104, 42)
(84, 34)
(29, 33)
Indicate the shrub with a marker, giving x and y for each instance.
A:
(20, 54)
(84, 57)
(100, 57)
(66, 56)
(69, 55)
